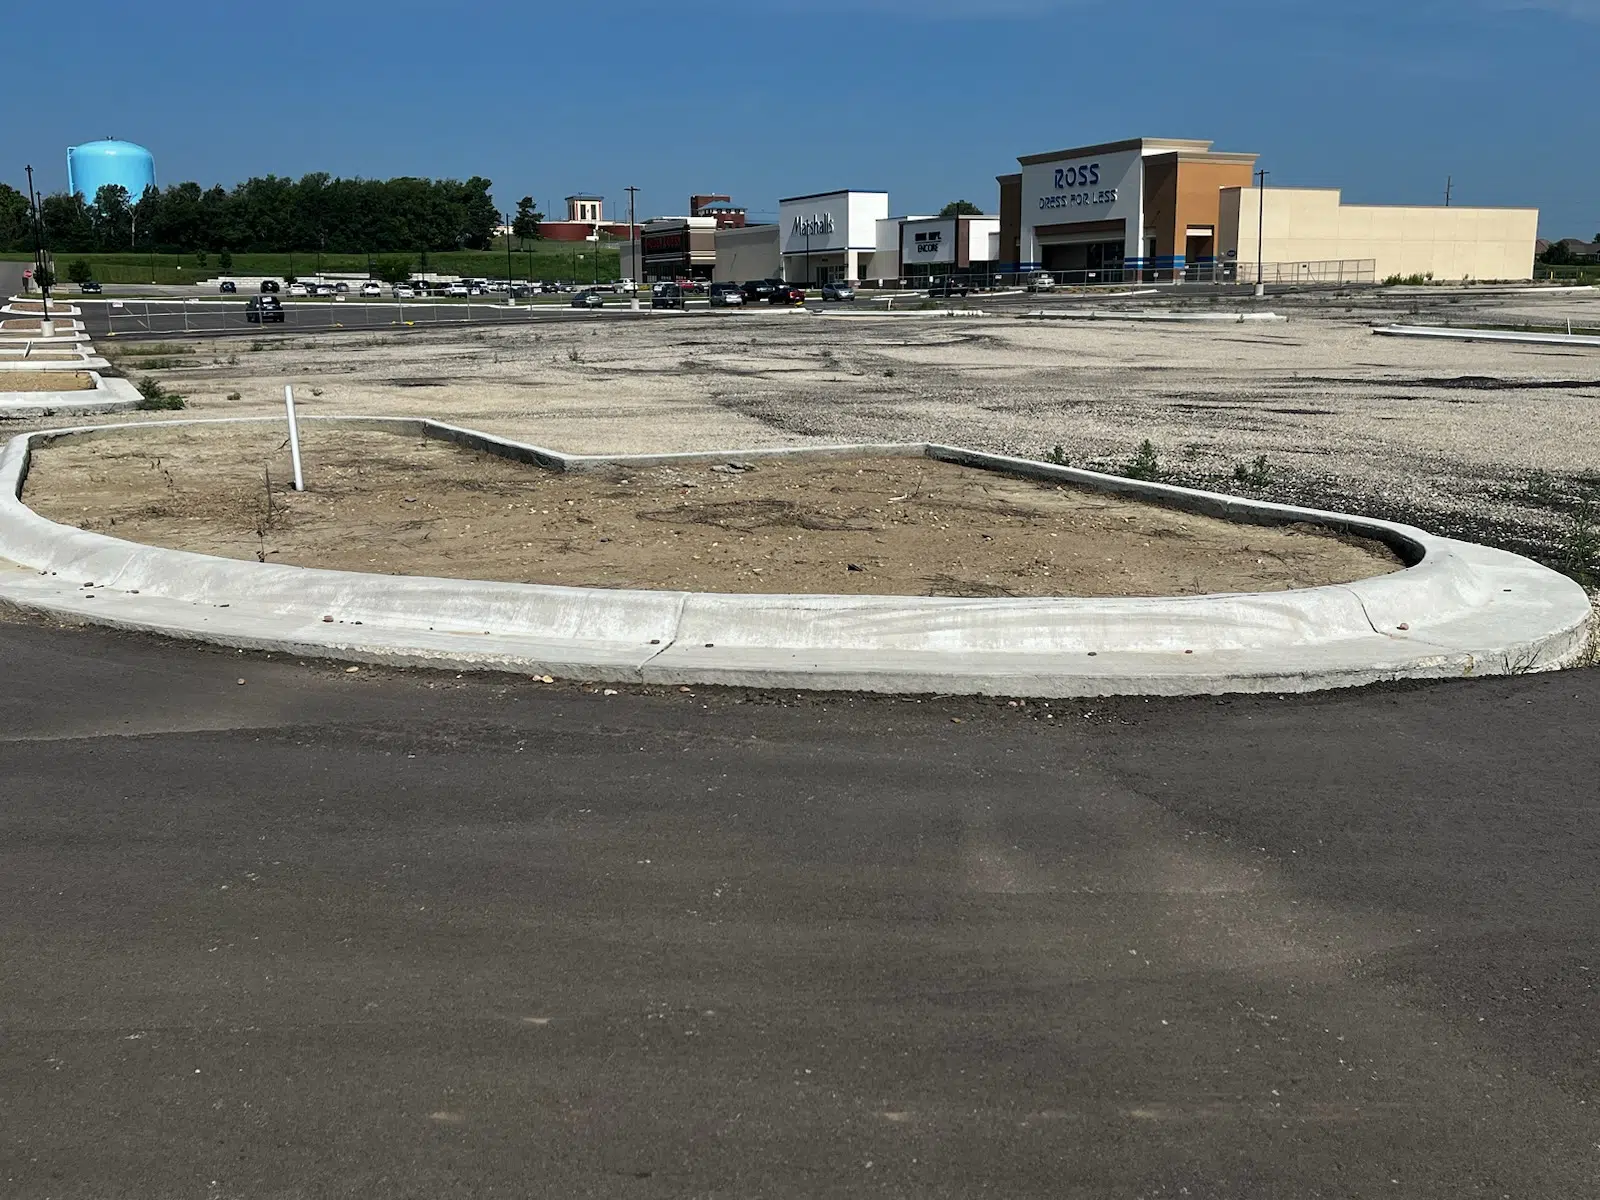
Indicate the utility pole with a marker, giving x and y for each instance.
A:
(510, 295)
(1261, 235)
(633, 236)
(1449, 188)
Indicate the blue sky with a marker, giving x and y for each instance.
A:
(929, 99)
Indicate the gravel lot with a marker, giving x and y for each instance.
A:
(1493, 442)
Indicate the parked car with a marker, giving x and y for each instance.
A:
(269, 285)
(456, 289)
(666, 295)
(228, 287)
(297, 289)
(1041, 281)
(948, 285)
(762, 289)
(726, 295)
(838, 291)
(402, 292)
(588, 298)
(341, 286)
(89, 287)
(262, 309)
(317, 289)
(371, 289)
(787, 293)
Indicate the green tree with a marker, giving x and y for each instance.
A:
(79, 271)
(1556, 255)
(16, 219)
(112, 217)
(961, 208)
(201, 259)
(396, 269)
(225, 261)
(525, 227)
(43, 277)
(67, 223)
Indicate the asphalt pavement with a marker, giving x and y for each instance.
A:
(283, 929)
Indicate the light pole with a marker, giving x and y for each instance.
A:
(633, 237)
(511, 298)
(1261, 233)
(40, 271)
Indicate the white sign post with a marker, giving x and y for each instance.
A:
(294, 438)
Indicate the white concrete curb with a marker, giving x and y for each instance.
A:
(1458, 610)
(110, 395)
(86, 360)
(1176, 318)
(1448, 333)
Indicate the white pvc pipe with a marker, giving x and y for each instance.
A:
(294, 438)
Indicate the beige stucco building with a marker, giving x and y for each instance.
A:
(1310, 225)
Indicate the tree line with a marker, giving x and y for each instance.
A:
(270, 214)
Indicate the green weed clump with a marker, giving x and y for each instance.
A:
(154, 397)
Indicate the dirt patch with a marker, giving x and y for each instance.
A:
(893, 526)
(46, 381)
(31, 325)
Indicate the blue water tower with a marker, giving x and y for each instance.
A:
(94, 164)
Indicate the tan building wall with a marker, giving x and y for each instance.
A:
(1311, 225)
(747, 253)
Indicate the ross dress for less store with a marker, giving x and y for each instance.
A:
(1140, 209)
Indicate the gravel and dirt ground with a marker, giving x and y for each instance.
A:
(1491, 442)
(46, 381)
(888, 526)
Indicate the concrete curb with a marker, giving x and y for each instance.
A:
(1157, 317)
(86, 360)
(1446, 333)
(1458, 610)
(110, 395)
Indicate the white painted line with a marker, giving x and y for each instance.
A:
(1448, 333)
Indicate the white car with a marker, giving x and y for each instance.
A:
(322, 289)
(404, 293)
(456, 289)
(1041, 281)
(297, 289)
(371, 289)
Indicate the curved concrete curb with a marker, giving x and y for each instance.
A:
(1459, 609)
(1447, 333)
(85, 360)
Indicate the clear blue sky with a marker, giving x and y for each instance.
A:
(929, 99)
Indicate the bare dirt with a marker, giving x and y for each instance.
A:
(891, 526)
(46, 381)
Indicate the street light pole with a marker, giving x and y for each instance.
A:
(511, 298)
(1261, 234)
(633, 236)
(40, 271)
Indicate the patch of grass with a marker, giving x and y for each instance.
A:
(1408, 280)
(154, 397)
(1257, 475)
(1144, 464)
(1580, 544)
(574, 354)
(1058, 456)
(235, 396)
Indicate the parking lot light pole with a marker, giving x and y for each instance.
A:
(1261, 234)
(511, 298)
(633, 237)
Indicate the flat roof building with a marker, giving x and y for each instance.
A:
(830, 236)
(1174, 208)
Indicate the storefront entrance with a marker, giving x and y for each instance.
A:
(1083, 262)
